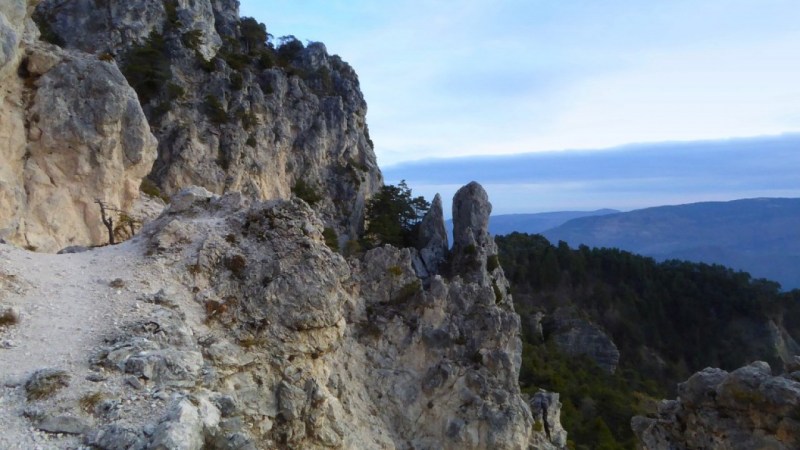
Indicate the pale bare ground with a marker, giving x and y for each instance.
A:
(67, 304)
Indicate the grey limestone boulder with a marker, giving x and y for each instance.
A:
(748, 408)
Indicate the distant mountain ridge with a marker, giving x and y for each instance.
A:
(628, 177)
(539, 222)
(531, 223)
(760, 236)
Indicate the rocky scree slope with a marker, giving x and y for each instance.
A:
(230, 112)
(244, 330)
(71, 131)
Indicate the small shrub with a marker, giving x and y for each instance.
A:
(237, 265)
(223, 157)
(288, 50)
(208, 65)
(175, 91)
(492, 262)
(237, 81)
(46, 32)
(107, 57)
(323, 81)
(470, 250)
(538, 426)
(331, 238)
(266, 60)
(231, 239)
(395, 271)
(148, 67)
(407, 292)
(353, 247)
(90, 401)
(117, 283)
(45, 383)
(171, 9)
(192, 39)
(150, 188)
(214, 309)
(251, 141)
(254, 34)
(249, 342)
(477, 358)
(247, 118)
(305, 192)
(393, 215)
(215, 111)
(498, 294)
(371, 329)
(8, 318)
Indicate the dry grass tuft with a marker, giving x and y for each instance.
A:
(8, 318)
(90, 401)
(45, 383)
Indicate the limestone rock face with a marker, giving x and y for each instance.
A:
(72, 132)
(576, 336)
(744, 409)
(474, 253)
(432, 238)
(113, 25)
(229, 121)
(547, 413)
(471, 210)
(12, 20)
(254, 334)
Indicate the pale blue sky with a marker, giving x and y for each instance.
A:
(454, 78)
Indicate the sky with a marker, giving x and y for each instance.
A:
(456, 79)
(447, 78)
(623, 178)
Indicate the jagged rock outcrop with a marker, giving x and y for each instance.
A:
(546, 410)
(230, 113)
(368, 348)
(72, 132)
(744, 409)
(576, 336)
(432, 239)
(254, 334)
(474, 253)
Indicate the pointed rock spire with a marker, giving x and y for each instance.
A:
(432, 237)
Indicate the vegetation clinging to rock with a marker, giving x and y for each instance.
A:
(393, 215)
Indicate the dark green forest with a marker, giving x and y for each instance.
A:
(667, 319)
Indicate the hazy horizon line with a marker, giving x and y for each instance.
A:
(586, 150)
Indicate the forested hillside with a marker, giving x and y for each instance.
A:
(666, 319)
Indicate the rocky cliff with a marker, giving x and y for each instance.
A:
(235, 326)
(228, 322)
(748, 408)
(72, 132)
(226, 110)
(231, 112)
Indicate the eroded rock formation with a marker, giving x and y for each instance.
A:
(237, 117)
(748, 408)
(577, 336)
(72, 132)
(254, 334)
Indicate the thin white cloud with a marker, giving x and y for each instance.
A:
(454, 78)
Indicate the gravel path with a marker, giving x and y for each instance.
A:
(67, 303)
